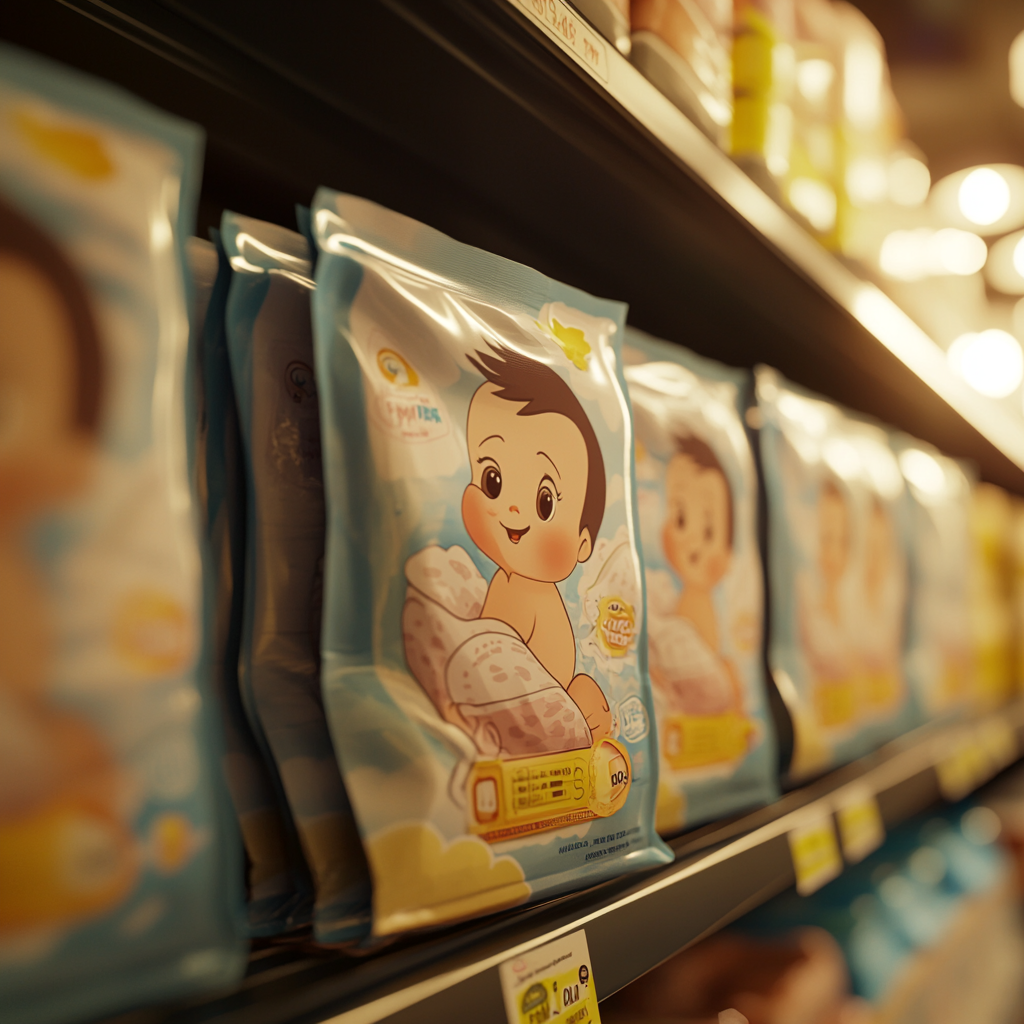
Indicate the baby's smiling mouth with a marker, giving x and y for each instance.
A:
(516, 535)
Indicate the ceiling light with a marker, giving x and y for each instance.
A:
(909, 181)
(958, 252)
(1017, 70)
(991, 362)
(1004, 270)
(863, 67)
(866, 180)
(984, 196)
(814, 79)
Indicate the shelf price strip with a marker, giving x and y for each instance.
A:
(553, 982)
(861, 829)
(562, 24)
(815, 852)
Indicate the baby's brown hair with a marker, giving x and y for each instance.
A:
(25, 240)
(703, 455)
(522, 379)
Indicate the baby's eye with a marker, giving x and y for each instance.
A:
(545, 503)
(490, 482)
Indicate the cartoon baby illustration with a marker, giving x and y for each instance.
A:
(823, 618)
(64, 850)
(687, 663)
(499, 659)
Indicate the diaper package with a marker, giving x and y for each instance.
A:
(991, 524)
(939, 662)
(278, 885)
(119, 866)
(484, 643)
(837, 575)
(697, 508)
(271, 348)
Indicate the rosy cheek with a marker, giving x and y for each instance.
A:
(479, 525)
(557, 552)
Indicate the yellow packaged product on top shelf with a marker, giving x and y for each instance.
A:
(763, 79)
(991, 586)
(837, 575)
(940, 662)
(120, 871)
(484, 643)
(697, 496)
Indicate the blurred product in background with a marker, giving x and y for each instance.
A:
(936, 530)
(992, 573)
(119, 872)
(685, 48)
(697, 506)
(837, 573)
(926, 930)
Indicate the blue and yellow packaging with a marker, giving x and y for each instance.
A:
(837, 575)
(697, 507)
(279, 888)
(120, 877)
(940, 654)
(270, 344)
(484, 641)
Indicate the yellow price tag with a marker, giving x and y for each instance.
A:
(962, 766)
(815, 853)
(553, 982)
(861, 829)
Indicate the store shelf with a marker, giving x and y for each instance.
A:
(632, 923)
(468, 116)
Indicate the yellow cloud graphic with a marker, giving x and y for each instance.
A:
(420, 881)
(571, 340)
(77, 151)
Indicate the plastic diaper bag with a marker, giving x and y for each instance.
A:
(271, 349)
(837, 575)
(119, 866)
(484, 644)
(939, 641)
(278, 884)
(697, 508)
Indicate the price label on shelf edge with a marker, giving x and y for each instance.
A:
(562, 24)
(552, 982)
(861, 829)
(815, 852)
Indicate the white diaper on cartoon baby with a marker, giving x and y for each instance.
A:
(697, 503)
(484, 659)
(480, 668)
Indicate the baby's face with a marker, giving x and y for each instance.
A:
(878, 556)
(524, 504)
(43, 458)
(696, 531)
(833, 537)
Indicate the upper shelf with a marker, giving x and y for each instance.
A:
(468, 115)
(632, 923)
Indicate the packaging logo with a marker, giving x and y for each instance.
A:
(396, 370)
(617, 626)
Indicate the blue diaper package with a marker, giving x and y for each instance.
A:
(278, 885)
(940, 651)
(271, 349)
(697, 503)
(120, 870)
(837, 575)
(484, 643)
